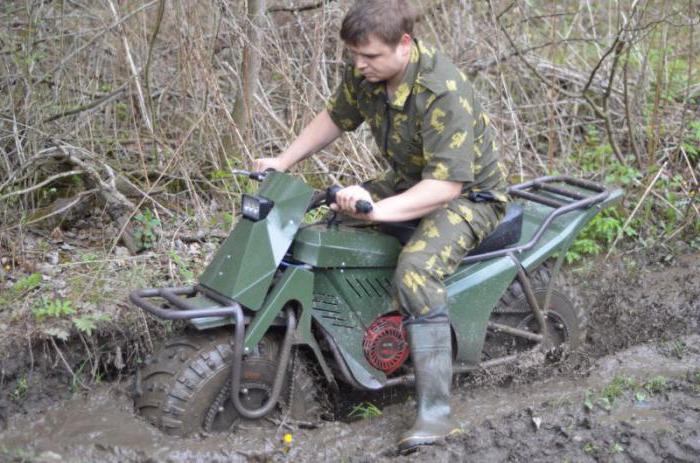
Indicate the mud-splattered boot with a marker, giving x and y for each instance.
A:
(431, 351)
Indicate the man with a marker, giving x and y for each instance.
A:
(425, 117)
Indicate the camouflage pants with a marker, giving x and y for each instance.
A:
(436, 249)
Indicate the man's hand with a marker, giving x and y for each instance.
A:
(346, 199)
(319, 133)
(262, 164)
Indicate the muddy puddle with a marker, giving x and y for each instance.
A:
(632, 395)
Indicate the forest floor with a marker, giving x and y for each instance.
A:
(631, 394)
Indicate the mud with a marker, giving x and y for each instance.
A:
(633, 394)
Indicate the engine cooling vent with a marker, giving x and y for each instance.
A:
(328, 307)
(370, 287)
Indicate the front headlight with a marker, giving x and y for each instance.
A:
(256, 207)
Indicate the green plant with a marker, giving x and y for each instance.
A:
(622, 174)
(694, 378)
(88, 258)
(17, 455)
(616, 448)
(183, 269)
(228, 220)
(21, 389)
(316, 215)
(678, 348)
(601, 231)
(590, 447)
(56, 308)
(145, 232)
(609, 394)
(365, 410)
(87, 323)
(656, 385)
(27, 283)
(22, 286)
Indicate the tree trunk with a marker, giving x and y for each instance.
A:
(251, 66)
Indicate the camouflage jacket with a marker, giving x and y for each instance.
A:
(433, 127)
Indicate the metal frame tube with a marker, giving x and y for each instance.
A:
(531, 299)
(237, 367)
(515, 332)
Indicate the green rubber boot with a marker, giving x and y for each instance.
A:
(431, 351)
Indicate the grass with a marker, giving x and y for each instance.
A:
(364, 411)
(624, 387)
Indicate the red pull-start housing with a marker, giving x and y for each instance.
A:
(386, 343)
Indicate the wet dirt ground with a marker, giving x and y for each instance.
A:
(632, 395)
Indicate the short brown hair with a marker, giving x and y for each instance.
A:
(387, 20)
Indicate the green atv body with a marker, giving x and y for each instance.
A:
(327, 287)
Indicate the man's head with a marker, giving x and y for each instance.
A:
(386, 20)
(378, 34)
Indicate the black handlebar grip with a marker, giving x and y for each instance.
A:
(361, 207)
(330, 194)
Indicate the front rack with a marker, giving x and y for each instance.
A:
(571, 201)
(182, 308)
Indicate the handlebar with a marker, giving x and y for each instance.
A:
(361, 206)
(259, 176)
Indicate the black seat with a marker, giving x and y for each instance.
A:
(506, 233)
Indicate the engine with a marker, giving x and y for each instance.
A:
(386, 343)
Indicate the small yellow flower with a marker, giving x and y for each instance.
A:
(287, 439)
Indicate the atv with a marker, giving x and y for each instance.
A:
(288, 311)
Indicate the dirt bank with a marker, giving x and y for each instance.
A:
(632, 394)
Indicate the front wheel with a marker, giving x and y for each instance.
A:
(184, 389)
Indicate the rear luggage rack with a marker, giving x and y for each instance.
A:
(563, 200)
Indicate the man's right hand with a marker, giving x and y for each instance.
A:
(317, 134)
(262, 164)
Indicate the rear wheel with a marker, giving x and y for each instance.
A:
(566, 322)
(184, 389)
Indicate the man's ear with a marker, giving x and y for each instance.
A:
(405, 44)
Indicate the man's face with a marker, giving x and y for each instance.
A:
(378, 61)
